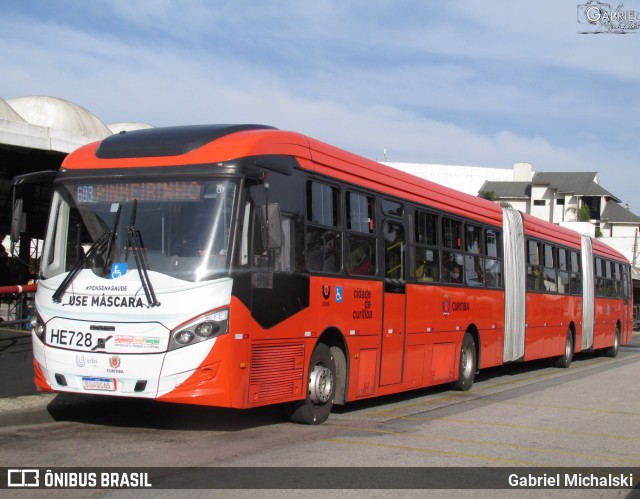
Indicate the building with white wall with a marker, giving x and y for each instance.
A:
(36, 134)
(552, 196)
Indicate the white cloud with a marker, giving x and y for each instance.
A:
(463, 83)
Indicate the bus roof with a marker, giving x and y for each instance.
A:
(207, 144)
(201, 144)
(185, 145)
(536, 227)
(350, 167)
(602, 249)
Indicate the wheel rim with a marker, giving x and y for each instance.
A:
(320, 384)
(467, 363)
(567, 348)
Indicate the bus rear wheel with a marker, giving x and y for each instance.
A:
(612, 351)
(467, 364)
(564, 360)
(321, 388)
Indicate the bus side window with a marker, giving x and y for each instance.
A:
(394, 241)
(427, 253)
(451, 233)
(361, 240)
(324, 250)
(599, 277)
(323, 244)
(427, 265)
(453, 264)
(625, 283)
(473, 261)
(534, 277)
(549, 273)
(609, 284)
(617, 281)
(576, 282)
(563, 274)
(493, 262)
(362, 255)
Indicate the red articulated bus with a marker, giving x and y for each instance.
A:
(240, 266)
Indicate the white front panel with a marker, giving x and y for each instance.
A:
(103, 338)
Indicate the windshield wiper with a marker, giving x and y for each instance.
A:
(103, 242)
(95, 249)
(134, 242)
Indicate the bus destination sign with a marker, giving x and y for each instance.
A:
(123, 192)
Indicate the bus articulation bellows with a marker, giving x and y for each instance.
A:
(241, 265)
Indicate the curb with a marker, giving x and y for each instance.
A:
(26, 410)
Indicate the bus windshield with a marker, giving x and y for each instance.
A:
(182, 227)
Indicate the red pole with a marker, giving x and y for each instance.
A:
(20, 288)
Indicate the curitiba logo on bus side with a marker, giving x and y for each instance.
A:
(457, 306)
(446, 306)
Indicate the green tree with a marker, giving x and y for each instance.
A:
(492, 196)
(582, 214)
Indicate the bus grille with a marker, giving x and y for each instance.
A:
(276, 371)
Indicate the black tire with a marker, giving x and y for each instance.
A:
(564, 360)
(321, 389)
(467, 372)
(612, 351)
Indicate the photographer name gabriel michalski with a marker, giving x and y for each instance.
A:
(572, 480)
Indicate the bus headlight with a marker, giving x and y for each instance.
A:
(202, 328)
(183, 337)
(37, 326)
(207, 329)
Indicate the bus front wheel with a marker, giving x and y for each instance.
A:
(321, 388)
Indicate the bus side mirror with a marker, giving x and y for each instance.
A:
(18, 221)
(271, 226)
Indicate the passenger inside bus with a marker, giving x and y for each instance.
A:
(360, 261)
(429, 270)
(455, 274)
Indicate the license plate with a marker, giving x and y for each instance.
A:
(108, 384)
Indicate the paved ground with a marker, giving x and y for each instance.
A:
(21, 403)
(16, 371)
(529, 416)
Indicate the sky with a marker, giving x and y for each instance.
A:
(457, 82)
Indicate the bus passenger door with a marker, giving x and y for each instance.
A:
(393, 325)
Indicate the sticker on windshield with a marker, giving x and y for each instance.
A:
(118, 270)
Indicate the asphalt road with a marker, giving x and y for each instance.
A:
(16, 369)
(529, 416)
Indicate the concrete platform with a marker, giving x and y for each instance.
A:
(16, 367)
(22, 404)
